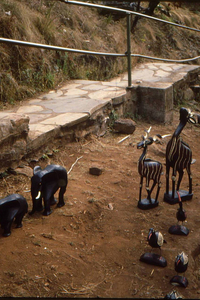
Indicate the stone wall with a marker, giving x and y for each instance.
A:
(155, 104)
(13, 139)
(152, 102)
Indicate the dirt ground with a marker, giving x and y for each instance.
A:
(91, 247)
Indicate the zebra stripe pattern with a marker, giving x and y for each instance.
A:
(150, 170)
(180, 154)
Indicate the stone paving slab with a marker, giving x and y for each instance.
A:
(80, 107)
(158, 73)
(77, 100)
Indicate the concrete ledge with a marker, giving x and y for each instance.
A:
(156, 104)
(158, 86)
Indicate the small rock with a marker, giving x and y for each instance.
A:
(53, 267)
(110, 206)
(188, 94)
(25, 170)
(8, 13)
(124, 126)
(138, 81)
(95, 170)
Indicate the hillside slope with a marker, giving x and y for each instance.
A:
(26, 71)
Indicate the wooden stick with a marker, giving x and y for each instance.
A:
(126, 137)
(74, 164)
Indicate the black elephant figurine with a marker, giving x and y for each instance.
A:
(44, 184)
(12, 207)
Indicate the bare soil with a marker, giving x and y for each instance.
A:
(91, 247)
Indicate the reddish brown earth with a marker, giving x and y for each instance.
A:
(91, 247)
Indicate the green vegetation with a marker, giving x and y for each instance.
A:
(113, 116)
(26, 71)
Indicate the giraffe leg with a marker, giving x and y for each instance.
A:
(173, 183)
(153, 185)
(158, 190)
(179, 179)
(190, 179)
(141, 184)
(148, 190)
(148, 193)
(167, 178)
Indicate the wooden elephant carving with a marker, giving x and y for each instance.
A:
(12, 207)
(44, 184)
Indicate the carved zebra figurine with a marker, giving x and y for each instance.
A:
(149, 169)
(179, 156)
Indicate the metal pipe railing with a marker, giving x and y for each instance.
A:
(129, 47)
(125, 11)
(126, 54)
(128, 13)
(57, 48)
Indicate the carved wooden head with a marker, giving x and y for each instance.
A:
(186, 116)
(147, 140)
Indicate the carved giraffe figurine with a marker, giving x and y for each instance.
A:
(149, 169)
(179, 154)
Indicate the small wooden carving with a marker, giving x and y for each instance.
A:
(179, 157)
(149, 169)
(155, 240)
(44, 184)
(180, 265)
(181, 217)
(12, 208)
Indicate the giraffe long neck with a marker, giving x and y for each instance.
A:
(143, 155)
(174, 142)
(179, 129)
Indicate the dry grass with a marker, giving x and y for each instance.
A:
(52, 22)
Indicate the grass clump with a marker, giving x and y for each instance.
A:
(26, 71)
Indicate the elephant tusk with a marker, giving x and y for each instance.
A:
(38, 195)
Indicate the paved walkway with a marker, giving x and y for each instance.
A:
(75, 101)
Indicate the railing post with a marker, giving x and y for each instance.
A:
(129, 47)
